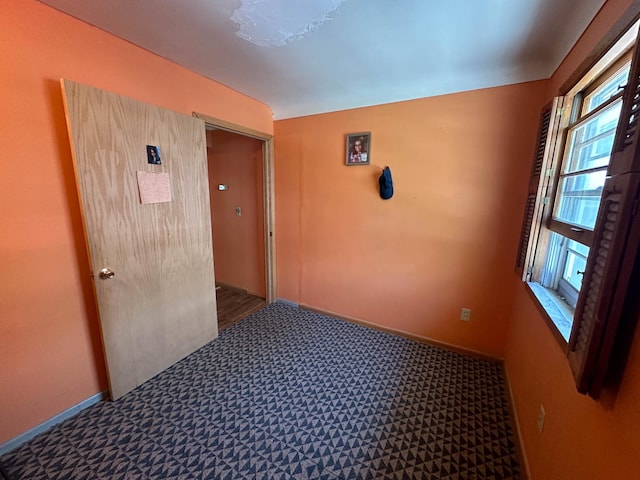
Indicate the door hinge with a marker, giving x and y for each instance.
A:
(544, 200)
(549, 172)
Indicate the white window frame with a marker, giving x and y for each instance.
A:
(555, 295)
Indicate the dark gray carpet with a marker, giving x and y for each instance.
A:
(291, 394)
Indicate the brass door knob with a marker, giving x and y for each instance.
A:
(107, 273)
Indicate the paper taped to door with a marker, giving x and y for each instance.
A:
(154, 187)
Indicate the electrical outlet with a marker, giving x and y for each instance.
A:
(465, 314)
(541, 415)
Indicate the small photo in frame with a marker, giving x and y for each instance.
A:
(153, 155)
(358, 148)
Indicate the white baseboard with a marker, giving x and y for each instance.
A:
(70, 412)
(287, 302)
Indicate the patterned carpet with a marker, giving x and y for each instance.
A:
(291, 394)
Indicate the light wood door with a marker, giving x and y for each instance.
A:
(160, 306)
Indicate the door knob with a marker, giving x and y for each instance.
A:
(107, 273)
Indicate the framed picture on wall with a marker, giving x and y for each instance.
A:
(358, 148)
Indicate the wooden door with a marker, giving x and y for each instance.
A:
(160, 304)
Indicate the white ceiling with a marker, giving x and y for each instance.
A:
(303, 57)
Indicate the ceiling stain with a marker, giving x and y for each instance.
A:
(275, 23)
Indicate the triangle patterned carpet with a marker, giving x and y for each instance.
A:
(292, 394)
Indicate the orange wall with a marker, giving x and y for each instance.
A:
(446, 239)
(238, 242)
(51, 358)
(582, 438)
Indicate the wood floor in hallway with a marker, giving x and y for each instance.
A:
(235, 304)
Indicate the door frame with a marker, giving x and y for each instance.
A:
(268, 194)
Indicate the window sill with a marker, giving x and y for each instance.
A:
(558, 313)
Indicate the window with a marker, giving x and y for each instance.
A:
(579, 243)
(585, 140)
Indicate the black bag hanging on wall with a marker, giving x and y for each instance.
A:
(386, 184)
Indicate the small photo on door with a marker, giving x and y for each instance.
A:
(153, 155)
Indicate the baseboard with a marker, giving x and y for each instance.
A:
(70, 412)
(410, 336)
(287, 302)
(522, 454)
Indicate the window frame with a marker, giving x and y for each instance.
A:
(569, 120)
(607, 308)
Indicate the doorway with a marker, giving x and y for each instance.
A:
(240, 185)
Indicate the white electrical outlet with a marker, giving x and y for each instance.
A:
(541, 415)
(465, 314)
